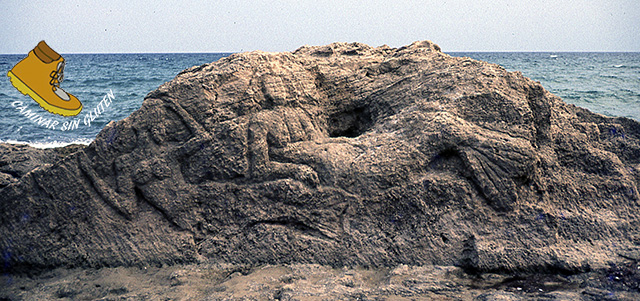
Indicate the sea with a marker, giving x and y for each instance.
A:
(112, 86)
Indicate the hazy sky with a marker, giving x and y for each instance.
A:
(229, 26)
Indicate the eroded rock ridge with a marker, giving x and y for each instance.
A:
(343, 154)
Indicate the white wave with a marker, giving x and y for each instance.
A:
(47, 144)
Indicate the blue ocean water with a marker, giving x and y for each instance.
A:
(90, 77)
(606, 83)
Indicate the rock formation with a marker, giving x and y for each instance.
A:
(342, 154)
(18, 160)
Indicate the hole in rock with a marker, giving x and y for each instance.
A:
(351, 123)
(444, 238)
(448, 153)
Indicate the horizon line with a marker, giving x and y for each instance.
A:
(453, 51)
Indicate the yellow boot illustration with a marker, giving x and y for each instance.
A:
(39, 75)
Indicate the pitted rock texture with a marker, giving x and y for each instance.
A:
(16, 160)
(342, 154)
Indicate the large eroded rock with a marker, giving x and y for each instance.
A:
(342, 154)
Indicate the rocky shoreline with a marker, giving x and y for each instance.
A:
(342, 155)
(317, 282)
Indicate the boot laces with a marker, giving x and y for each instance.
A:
(57, 75)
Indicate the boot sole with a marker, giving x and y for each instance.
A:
(24, 89)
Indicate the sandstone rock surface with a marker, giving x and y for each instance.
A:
(308, 282)
(341, 154)
(16, 160)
